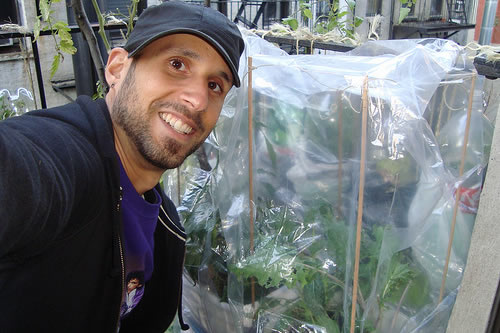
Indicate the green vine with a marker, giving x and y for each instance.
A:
(101, 20)
(59, 31)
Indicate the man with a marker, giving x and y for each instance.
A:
(80, 204)
(135, 281)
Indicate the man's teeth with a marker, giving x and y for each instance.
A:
(176, 124)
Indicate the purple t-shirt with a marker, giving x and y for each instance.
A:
(139, 215)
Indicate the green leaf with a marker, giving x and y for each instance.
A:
(36, 28)
(302, 275)
(330, 325)
(332, 24)
(270, 265)
(66, 46)
(292, 23)
(342, 14)
(399, 275)
(320, 28)
(403, 13)
(351, 4)
(272, 154)
(55, 65)
(45, 9)
(304, 5)
(419, 291)
(308, 13)
(314, 295)
(60, 25)
(64, 35)
(357, 21)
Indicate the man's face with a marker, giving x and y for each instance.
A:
(132, 284)
(171, 98)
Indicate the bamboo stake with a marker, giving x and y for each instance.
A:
(250, 167)
(364, 119)
(438, 125)
(435, 127)
(340, 153)
(458, 192)
(452, 97)
(178, 186)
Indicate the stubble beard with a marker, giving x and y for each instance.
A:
(127, 114)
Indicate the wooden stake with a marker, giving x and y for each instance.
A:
(339, 153)
(250, 167)
(458, 192)
(364, 119)
(178, 186)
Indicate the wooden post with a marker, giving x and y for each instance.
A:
(178, 186)
(250, 167)
(458, 192)
(364, 120)
(339, 154)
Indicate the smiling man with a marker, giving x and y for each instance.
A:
(186, 82)
(80, 204)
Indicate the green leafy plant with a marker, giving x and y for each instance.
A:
(62, 37)
(6, 108)
(299, 251)
(101, 18)
(10, 107)
(405, 9)
(59, 31)
(333, 20)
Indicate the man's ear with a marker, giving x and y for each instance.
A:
(117, 65)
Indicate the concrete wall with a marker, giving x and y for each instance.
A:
(482, 272)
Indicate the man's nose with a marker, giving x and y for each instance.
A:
(195, 94)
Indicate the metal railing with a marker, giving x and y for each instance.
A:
(254, 14)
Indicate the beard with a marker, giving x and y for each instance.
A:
(135, 122)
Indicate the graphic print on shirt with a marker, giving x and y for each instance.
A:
(134, 292)
(139, 217)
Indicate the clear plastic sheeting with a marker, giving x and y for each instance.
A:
(15, 104)
(269, 322)
(363, 166)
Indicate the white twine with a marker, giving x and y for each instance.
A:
(491, 52)
(374, 24)
(111, 19)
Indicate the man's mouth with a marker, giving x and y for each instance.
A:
(177, 124)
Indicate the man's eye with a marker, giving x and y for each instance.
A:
(177, 64)
(214, 86)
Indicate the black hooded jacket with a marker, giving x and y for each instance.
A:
(61, 251)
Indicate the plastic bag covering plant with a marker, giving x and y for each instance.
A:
(15, 104)
(293, 270)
